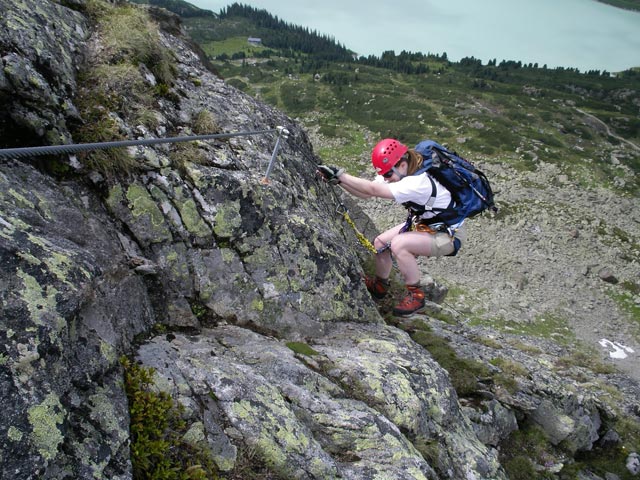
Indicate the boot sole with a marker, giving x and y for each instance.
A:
(377, 296)
(406, 314)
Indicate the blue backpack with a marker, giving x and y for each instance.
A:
(470, 189)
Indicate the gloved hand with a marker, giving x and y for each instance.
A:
(330, 174)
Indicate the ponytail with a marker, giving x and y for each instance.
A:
(414, 161)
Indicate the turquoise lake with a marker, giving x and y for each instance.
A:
(583, 34)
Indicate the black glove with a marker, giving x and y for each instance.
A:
(330, 174)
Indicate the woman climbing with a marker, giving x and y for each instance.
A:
(399, 178)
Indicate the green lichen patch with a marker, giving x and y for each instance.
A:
(40, 301)
(14, 434)
(301, 348)
(27, 257)
(190, 215)
(44, 419)
(24, 365)
(104, 413)
(115, 197)
(59, 262)
(176, 262)
(257, 304)
(62, 266)
(143, 207)
(43, 206)
(227, 220)
(278, 433)
(108, 352)
(21, 199)
(187, 157)
(141, 203)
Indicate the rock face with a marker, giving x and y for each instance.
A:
(273, 343)
(70, 306)
(40, 57)
(353, 409)
(93, 262)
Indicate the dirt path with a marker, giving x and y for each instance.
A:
(608, 130)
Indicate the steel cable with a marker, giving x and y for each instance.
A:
(24, 152)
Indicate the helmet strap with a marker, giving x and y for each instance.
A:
(397, 172)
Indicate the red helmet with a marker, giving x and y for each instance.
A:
(386, 154)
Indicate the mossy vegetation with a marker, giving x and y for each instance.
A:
(114, 87)
(510, 367)
(163, 446)
(184, 153)
(158, 446)
(528, 455)
(550, 326)
(587, 358)
(204, 123)
(610, 459)
(464, 373)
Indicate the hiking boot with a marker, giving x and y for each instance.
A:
(377, 286)
(413, 302)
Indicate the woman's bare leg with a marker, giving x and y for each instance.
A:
(407, 246)
(384, 263)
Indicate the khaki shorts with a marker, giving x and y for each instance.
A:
(442, 244)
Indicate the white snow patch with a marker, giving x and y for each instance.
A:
(619, 351)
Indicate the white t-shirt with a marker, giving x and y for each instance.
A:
(417, 189)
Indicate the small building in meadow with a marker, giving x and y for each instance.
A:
(254, 41)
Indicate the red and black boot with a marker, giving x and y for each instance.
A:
(378, 287)
(413, 302)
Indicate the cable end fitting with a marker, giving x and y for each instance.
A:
(283, 132)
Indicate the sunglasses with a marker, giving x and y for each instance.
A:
(390, 173)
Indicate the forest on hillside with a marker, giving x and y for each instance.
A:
(626, 4)
(285, 37)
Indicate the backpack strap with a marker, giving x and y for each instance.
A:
(434, 192)
(419, 209)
